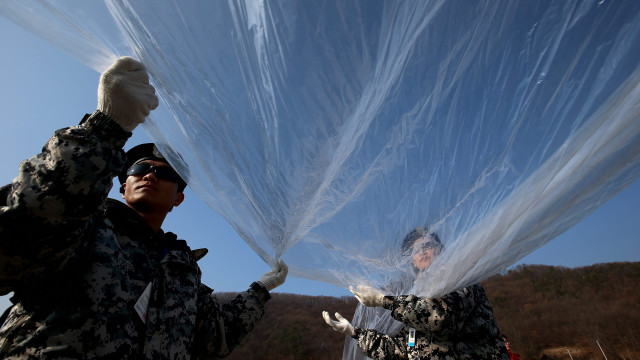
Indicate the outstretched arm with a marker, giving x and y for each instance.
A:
(376, 345)
(442, 315)
(219, 329)
(49, 204)
(53, 197)
(381, 346)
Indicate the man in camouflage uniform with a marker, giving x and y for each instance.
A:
(98, 278)
(459, 325)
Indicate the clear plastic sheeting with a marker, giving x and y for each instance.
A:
(324, 131)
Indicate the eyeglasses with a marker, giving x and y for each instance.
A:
(423, 248)
(161, 172)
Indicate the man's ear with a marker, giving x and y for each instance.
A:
(122, 189)
(179, 199)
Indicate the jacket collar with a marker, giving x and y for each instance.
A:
(130, 223)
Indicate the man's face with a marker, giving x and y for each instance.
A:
(507, 344)
(150, 193)
(423, 254)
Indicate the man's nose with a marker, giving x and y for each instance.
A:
(151, 175)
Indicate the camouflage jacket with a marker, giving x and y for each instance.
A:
(459, 325)
(78, 264)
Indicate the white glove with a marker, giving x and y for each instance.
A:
(342, 325)
(275, 278)
(124, 93)
(368, 296)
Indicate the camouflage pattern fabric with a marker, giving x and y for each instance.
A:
(78, 262)
(459, 325)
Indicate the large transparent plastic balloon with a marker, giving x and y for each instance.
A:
(324, 131)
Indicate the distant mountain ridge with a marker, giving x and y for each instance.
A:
(548, 312)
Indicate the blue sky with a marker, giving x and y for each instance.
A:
(43, 89)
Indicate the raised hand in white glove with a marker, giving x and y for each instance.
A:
(276, 277)
(342, 325)
(368, 296)
(124, 93)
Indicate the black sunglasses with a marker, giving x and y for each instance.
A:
(423, 247)
(161, 172)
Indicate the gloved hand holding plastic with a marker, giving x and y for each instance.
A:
(367, 295)
(323, 132)
(274, 278)
(124, 93)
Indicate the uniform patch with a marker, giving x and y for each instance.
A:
(156, 152)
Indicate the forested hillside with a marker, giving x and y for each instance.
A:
(546, 311)
(543, 307)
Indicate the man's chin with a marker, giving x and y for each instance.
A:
(141, 206)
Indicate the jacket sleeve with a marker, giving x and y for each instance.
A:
(445, 315)
(219, 329)
(380, 346)
(50, 202)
